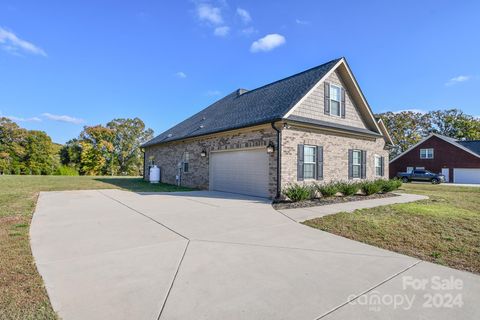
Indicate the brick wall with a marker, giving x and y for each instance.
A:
(335, 153)
(167, 156)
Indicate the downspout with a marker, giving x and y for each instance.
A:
(144, 169)
(278, 159)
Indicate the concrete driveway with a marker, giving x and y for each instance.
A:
(113, 254)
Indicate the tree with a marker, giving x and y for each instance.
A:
(97, 156)
(12, 146)
(455, 124)
(71, 154)
(26, 152)
(40, 154)
(129, 134)
(406, 128)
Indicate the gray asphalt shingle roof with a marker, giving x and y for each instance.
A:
(265, 104)
(473, 145)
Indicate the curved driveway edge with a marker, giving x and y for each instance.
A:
(114, 254)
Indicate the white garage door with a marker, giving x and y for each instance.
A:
(244, 172)
(466, 175)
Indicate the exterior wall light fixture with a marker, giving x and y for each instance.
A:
(270, 147)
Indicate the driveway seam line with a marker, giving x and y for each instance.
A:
(143, 214)
(296, 248)
(286, 216)
(173, 281)
(115, 251)
(368, 290)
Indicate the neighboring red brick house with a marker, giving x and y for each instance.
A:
(458, 160)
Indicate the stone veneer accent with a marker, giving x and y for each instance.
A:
(168, 155)
(335, 153)
(312, 106)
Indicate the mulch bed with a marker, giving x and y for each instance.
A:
(286, 204)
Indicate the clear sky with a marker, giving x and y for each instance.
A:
(66, 64)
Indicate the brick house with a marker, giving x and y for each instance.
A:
(313, 126)
(458, 160)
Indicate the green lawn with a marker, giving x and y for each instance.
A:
(444, 229)
(22, 295)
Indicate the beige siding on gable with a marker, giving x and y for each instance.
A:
(312, 106)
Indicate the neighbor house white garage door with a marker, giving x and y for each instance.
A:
(466, 175)
(244, 172)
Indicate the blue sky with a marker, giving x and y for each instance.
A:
(66, 64)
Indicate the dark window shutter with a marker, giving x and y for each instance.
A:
(382, 164)
(326, 94)
(342, 104)
(364, 164)
(350, 163)
(319, 163)
(300, 162)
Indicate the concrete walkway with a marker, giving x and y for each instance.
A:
(113, 254)
(302, 214)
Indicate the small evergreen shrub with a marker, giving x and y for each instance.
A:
(66, 171)
(297, 192)
(370, 187)
(397, 183)
(389, 185)
(348, 188)
(327, 190)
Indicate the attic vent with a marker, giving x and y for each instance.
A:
(203, 118)
(169, 135)
(202, 126)
(241, 91)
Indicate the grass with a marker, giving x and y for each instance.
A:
(444, 229)
(22, 294)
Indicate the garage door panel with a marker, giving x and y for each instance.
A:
(464, 175)
(243, 172)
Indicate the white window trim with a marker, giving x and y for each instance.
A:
(359, 164)
(427, 153)
(339, 101)
(379, 158)
(314, 163)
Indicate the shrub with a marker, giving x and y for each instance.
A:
(370, 187)
(297, 192)
(397, 183)
(66, 171)
(348, 188)
(327, 190)
(389, 185)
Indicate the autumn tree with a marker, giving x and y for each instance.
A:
(454, 123)
(97, 156)
(129, 134)
(407, 127)
(26, 152)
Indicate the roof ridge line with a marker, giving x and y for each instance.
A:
(294, 75)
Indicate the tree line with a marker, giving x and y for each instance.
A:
(113, 149)
(407, 128)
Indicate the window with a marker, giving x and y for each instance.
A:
(335, 100)
(426, 153)
(356, 163)
(186, 158)
(309, 162)
(378, 166)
